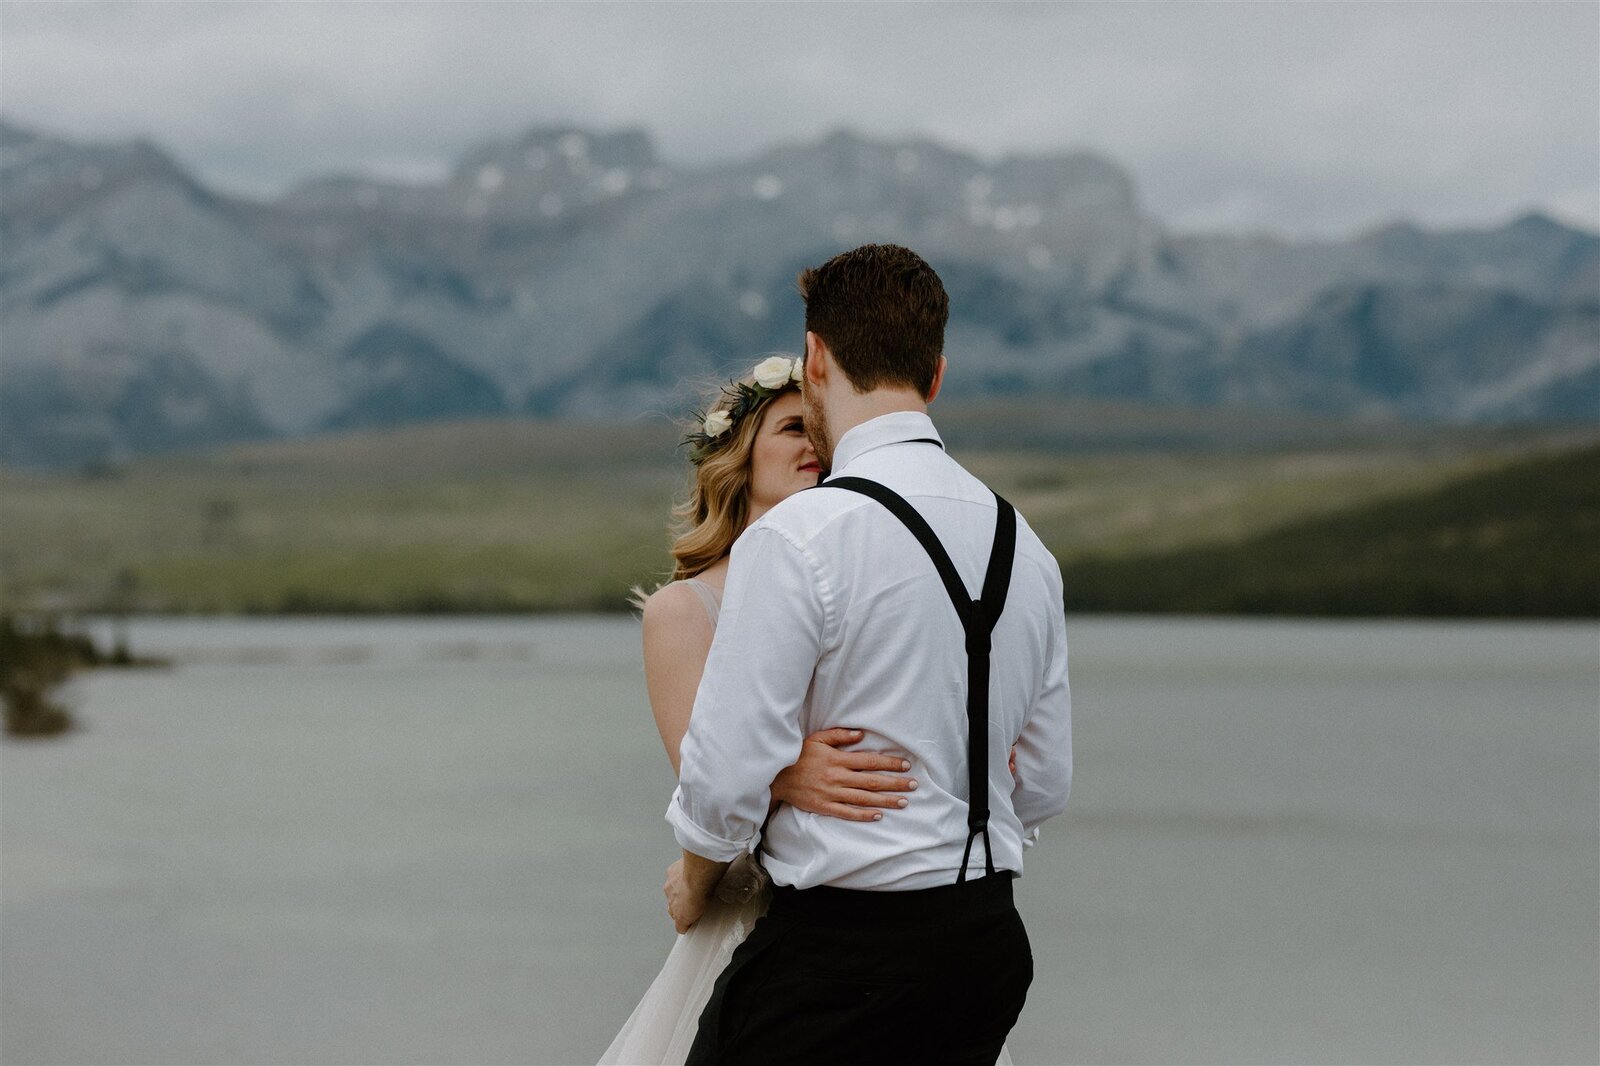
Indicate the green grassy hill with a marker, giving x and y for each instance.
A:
(1522, 540)
(516, 515)
(500, 515)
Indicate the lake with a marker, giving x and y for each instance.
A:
(441, 841)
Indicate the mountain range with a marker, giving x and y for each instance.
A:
(573, 272)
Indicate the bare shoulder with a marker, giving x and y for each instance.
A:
(672, 607)
(677, 630)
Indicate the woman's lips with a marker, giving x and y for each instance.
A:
(812, 468)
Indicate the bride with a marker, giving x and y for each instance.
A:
(749, 453)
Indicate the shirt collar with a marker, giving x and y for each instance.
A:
(897, 427)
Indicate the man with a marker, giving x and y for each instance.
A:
(892, 939)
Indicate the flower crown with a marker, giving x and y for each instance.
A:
(773, 375)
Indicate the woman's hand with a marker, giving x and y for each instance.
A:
(842, 784)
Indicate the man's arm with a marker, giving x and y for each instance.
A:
(1044, 749)
(745, 727)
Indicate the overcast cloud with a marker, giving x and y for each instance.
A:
(1302, 118)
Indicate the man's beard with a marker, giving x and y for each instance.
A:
(816, 424)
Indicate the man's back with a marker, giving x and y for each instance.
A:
(837, 580)
(834, 614)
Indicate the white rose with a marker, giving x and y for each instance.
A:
(717, 423)
(798, 374)
(772, 372)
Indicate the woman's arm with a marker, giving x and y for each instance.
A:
(825, 780)
(677, 639)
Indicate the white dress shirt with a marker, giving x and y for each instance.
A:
(833, 615)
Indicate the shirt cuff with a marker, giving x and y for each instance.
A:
(698, 841)
(1030, 837)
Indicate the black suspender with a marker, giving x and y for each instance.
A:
(978, 618)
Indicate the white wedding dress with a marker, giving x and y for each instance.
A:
(662, 1028)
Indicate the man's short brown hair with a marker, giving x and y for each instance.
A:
(881, 310)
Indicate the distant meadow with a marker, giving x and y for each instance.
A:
(517, 515)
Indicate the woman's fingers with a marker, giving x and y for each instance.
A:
(835, 737)
(874, 782)
(864, 804)
(870, 760)
(846, 787)
(856, 760)
(844, 784)
(857, 797)
(851, 814)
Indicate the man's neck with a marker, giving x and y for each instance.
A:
(854, 408)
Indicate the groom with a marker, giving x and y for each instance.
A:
(904, 598)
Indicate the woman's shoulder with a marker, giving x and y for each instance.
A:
(675, 603)
(668, 598)
(678, 623)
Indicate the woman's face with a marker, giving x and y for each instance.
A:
(782, 461)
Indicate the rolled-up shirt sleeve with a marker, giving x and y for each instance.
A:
(1044, 748)
(745, 727)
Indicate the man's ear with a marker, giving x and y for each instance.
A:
(938, 379)
(817, 357)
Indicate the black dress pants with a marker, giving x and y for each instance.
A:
(831, 977)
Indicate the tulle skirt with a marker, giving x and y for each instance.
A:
(662, 1027)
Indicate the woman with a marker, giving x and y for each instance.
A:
(749, 453)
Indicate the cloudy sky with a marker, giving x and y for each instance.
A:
(1301, 118)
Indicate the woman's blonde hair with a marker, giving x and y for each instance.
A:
(717, 508)
(707, 522)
